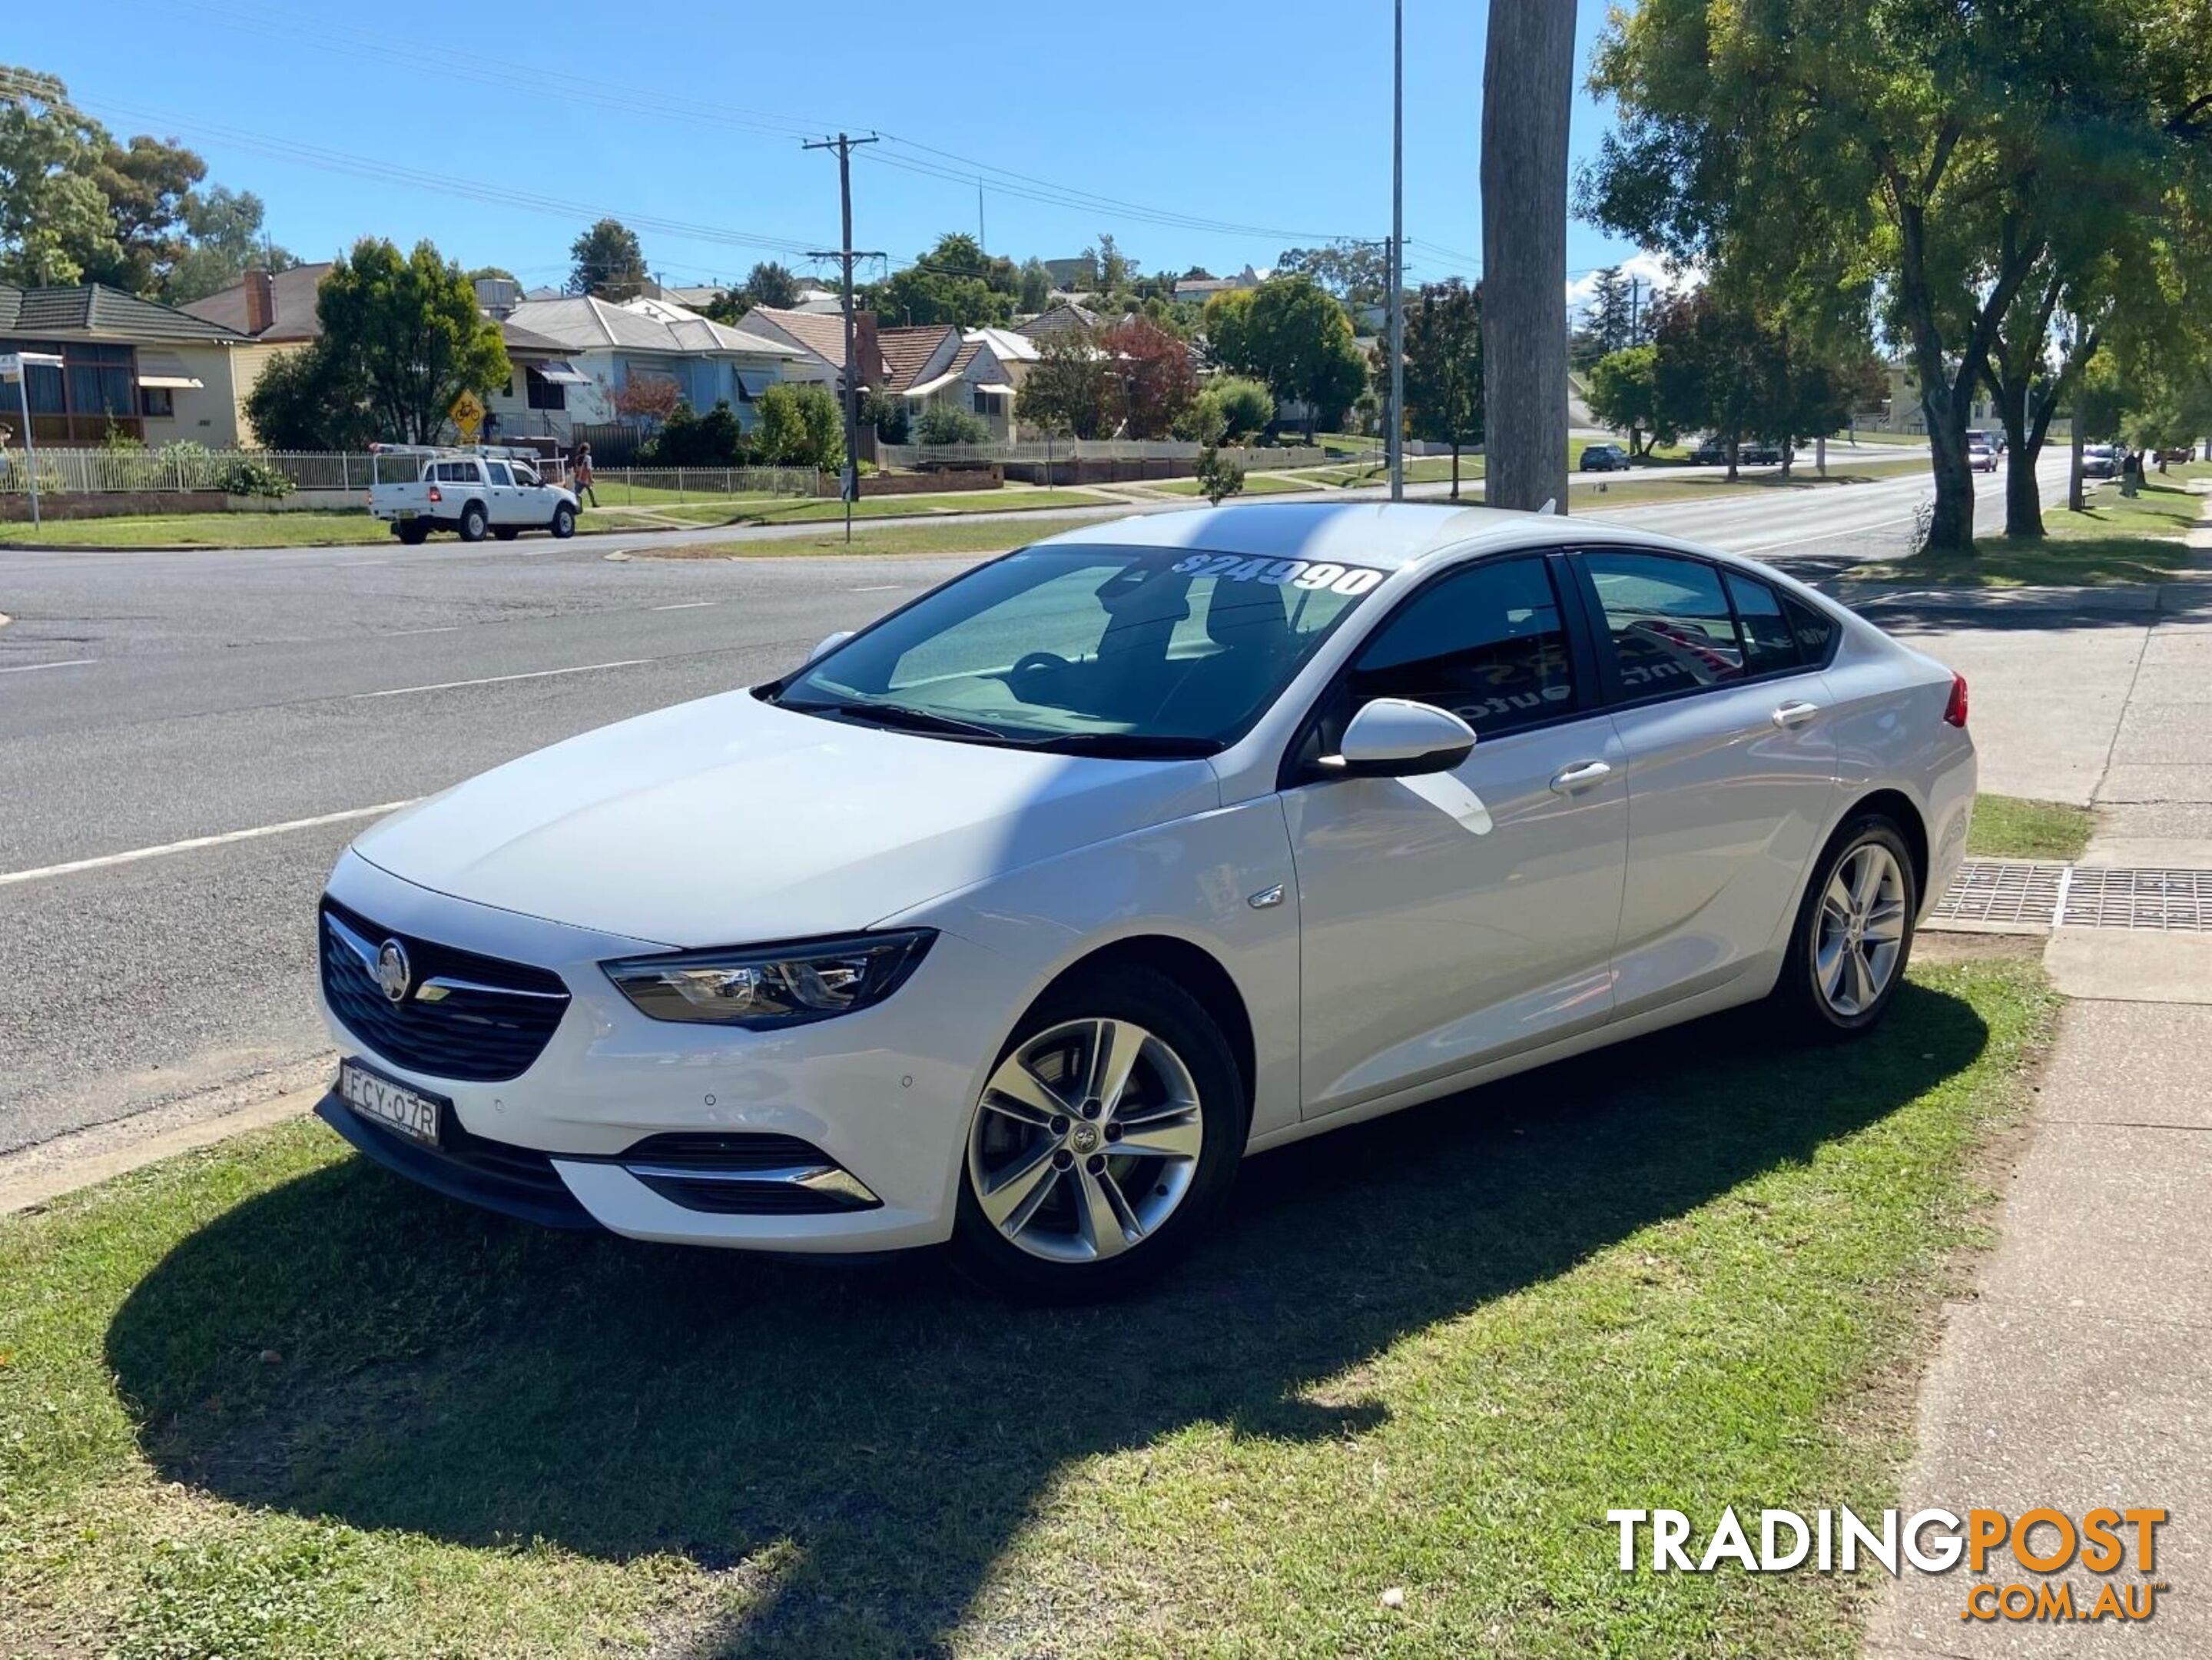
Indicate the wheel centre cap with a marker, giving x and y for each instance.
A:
(1084, 1138)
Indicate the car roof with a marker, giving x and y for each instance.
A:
(1384, 535)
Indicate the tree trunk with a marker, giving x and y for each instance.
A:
(1951, 526)
(1527, 89)
(1454, 495)
(2075, 498)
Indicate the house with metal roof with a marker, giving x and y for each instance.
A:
(130, 369)
(606, 346)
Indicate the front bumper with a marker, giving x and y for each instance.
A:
(885, 1093)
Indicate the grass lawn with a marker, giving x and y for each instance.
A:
(871, 540)
(2010, 827)
(1256, 483)
(2114, 540)
(267, 1400)
(790, 510)
(303, 529)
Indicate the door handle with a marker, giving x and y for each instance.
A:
(1570, 781)
(1795, 714)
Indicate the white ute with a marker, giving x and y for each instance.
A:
(471, 492)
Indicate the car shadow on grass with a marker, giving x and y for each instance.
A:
(479, 1381)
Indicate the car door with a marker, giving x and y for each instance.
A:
(1731, 766)
(1454, 919)
(502, 501)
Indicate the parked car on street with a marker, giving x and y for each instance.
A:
(2100, 461)
(1711, 452)
(1761, 454)
(1980, 456)
(472, 492)
(1019, 918)
(1604, 458)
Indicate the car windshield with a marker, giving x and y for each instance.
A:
(1089, 648)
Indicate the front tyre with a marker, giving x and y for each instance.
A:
(564, 522)
(1853, 933)
(1106, 1139)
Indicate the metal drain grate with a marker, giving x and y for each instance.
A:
(2098, 897)
(2034, 895)
(2021, 892)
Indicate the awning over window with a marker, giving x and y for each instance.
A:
(754, 382)
(929, 387)
(998, 386)
(166, 368)
(561, 373)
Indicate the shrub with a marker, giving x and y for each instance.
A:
(247, 477)
(686, 440)
(800, 426)
(889, 415)
(948, 423)
(1246, 405)
(1218, 478)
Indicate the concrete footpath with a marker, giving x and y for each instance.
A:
(2075, 1375)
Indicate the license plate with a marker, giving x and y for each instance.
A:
(406, 513)
(409, 1112)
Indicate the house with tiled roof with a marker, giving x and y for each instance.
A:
(982, 373)
(129, 369)
(821, 339)
(1068, 318)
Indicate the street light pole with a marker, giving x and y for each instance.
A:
(16, 367)
(1397, 260)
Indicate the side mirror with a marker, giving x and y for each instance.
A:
(831, 644)
(1397, 738)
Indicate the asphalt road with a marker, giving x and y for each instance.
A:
(148, 700)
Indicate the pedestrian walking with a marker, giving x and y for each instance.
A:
(584, 475)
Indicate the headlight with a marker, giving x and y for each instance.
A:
(771, 986)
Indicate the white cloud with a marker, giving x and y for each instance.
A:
(1656, 275)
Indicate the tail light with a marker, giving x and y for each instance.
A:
(1954, 711)
(436, 495)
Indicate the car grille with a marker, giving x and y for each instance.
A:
(492, 1021)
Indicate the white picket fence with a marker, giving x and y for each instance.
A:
(188, 467)
(1254, 459)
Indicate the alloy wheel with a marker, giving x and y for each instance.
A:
(1861, 930)
(1086, 1141)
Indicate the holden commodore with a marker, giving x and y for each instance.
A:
(1017, 919)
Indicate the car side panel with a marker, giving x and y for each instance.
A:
(1193, 880)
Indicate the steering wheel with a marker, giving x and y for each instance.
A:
(1038, 662)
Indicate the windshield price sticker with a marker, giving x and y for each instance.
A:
(1315, 576)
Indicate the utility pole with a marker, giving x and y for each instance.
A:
(1397, 260)
(845, 256)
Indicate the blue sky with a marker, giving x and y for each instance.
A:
(1213, 132)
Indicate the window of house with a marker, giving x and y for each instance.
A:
(544, 394)
(1669, 622)
(988, 404)
(157, 403)
(1485, 643)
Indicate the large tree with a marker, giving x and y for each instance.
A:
(1527, 89)
(954, 282)
(54, 218)
(1356, 273)
(1155, 381)
(223, 238)
(308, 398)
(1624, 393)
(406, 329)
(607, 261)
(1945, 149)
(1292, 333)
(1443, 367)
(771, 284)
(1069, 390)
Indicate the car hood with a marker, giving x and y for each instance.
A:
(729, 820)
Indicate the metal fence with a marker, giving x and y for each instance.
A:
(1256, 458)
(189, 467)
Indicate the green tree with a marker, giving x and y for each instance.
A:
(1945, 151)
(1035, 291)
(224, 239)
(954, 282)
(1246, 406)
(608, 261)
(54, 219)
(800, 425)
(1356, 273)
(771, 285)
(1218, 478)
(406, 330)
(1443, 367)
(1710, 365)
(149, 187)
(1624, 394)
(305, 400)
(1292, 333)
(1070, 389)
(942, 421)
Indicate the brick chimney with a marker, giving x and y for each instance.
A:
(260, 301)
(867, 355)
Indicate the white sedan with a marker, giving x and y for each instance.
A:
(1017, 919)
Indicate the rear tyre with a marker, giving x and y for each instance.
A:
(473, 522)
(414, 533)
(506, 533)
(1853, 936)
(1105, 1141)
(564, 521)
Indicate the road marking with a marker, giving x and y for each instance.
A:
(30, 668)
(501, 679)
(688, 604)
(399, 634)
(879, 587)
(10, 878)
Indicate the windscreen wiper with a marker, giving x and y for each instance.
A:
(1124, 745)
(910, 719)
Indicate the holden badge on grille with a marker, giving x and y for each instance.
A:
(393, 972)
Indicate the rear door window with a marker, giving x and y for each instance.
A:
(1668, 620)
